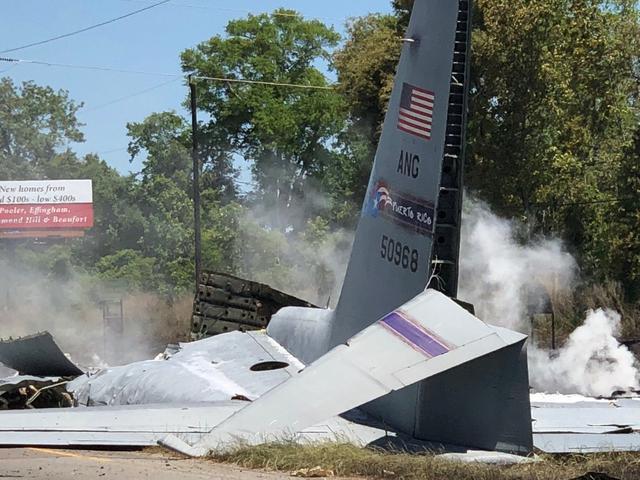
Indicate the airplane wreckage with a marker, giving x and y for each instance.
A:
(397, 362)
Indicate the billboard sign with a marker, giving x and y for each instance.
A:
(45, 206)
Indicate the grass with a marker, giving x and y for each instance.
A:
(346, 460)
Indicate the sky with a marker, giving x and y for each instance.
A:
(150, 42)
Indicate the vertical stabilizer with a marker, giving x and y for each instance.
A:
(391, 257)
(410, 221)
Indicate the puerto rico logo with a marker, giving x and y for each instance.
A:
(382, 198)
(405, 210)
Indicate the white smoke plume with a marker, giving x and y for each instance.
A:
(33, 300)
(591, 362)
(500, 275)
(507, 279)
(307, 262)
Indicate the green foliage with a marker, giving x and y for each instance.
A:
(624, 240)
(283, 132)
(554, 139)
(35, 123)
(307, 263)
(165, 138)
(129, 268)
(264, 254)
(553, 114)
(553, 117)
(366, 68)
(316, 232)
(220, 239)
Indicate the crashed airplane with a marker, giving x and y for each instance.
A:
(396, 360)
(408, 356)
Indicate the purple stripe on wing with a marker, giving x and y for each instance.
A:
(413, 335)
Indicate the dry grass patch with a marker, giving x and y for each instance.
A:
(346, 460)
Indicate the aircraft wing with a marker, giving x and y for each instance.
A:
(426, 336)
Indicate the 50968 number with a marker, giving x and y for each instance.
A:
(398, 254)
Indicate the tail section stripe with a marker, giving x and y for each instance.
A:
(414, 335)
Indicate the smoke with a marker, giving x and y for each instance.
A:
(69, 304)
(307, 260)
(505, 279)
(509, 281)
(591, 362)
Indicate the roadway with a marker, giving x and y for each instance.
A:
(44, 463)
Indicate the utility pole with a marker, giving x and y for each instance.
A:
(196, 183)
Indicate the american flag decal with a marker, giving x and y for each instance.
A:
(416, 111)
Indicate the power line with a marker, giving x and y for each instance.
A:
(135, 94)
(104, 152)
(165, 74)
(82, 30)
(90, 67)
(262, 82)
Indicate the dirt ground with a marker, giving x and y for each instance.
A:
(43, 463)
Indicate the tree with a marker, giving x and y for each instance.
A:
(553, 115)
(129, 268)
(36, 123)
(165, 138)
(366, 68)
(622, 242)
(283, 131)
(118, 219)
(163, 192)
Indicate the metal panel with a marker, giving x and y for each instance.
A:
(147, 425)
(213, 369)
(585, 417)
(586, 443)
(133, 425)
(428, 335)
(302, 331)
(37, 355)
(572, 424)
(484, 404)
(226, 303)
(6, 372)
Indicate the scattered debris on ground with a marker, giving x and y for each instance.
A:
(35, 373)
(20, 392)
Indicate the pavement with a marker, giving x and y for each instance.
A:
(44, 463)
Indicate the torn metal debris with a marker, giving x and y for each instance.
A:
(573, 424)
(25, 391)
(225, 303)
(37, 355)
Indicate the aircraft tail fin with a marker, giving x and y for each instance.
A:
(408, 233)
(391, 257)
